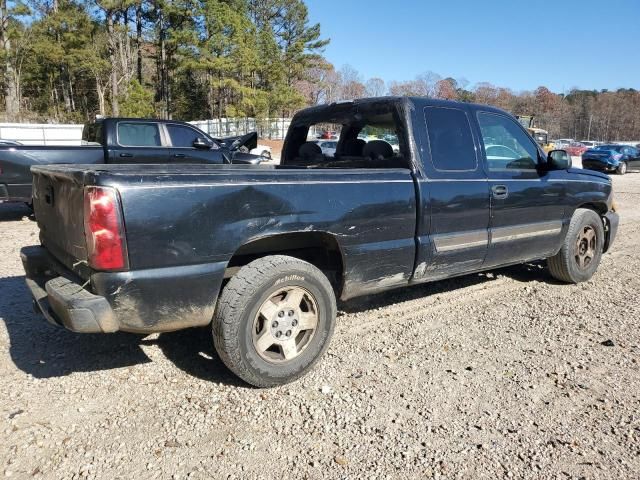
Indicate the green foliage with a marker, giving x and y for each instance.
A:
(137, 101)
(198, 58)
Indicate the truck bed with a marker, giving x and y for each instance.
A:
(15, 178)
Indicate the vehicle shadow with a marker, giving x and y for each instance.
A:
(529, 272)
(11, 212)
(192, 351)
(45, 351)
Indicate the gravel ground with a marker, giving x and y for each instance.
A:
(504, 374)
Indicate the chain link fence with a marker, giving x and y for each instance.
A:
(271, 128)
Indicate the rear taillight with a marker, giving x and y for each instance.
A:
(104, 229)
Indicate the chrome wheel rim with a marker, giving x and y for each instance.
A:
(623, 168)
(586, 244)
(285, 324)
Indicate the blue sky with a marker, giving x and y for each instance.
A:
(511, 43)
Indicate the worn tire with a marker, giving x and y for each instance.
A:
(622, 168)
(564, 265)
(237, 309)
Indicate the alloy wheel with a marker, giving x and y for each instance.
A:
(285, 324)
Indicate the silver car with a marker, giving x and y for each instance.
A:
(328, 147)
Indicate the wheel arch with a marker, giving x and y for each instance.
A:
(599, 207)
(321, 249)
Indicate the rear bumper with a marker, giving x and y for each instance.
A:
(597, 165)
(612, 219)
(143, 301)
(62, 299)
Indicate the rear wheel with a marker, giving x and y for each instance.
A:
(274, 320)
(580, 255)
(622, 168)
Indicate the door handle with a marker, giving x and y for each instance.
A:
(126, 155)
(179, 155)
(500, 191)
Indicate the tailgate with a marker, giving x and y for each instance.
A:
(58, 202)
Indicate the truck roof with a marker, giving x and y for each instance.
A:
(133, 119)
(397, 101)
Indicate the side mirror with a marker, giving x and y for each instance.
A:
(558, 160)
(201, 143)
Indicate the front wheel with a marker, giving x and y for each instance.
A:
(274, 320)
(580, 255)
(622, 168)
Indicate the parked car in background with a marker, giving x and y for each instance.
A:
(612, 158)
(9, 142)
(576, 149)
(590, 143)
(328, 147)
(562, 143)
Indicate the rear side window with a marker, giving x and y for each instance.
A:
(182, 136)
(92, 134)
(450, 139)
(138, 134)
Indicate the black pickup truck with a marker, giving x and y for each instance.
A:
(261, 253)
(122, 140)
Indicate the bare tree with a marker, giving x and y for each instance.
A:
(428, 83)
(411, 88)
(375, 87)
(351, 85)
(11, 99)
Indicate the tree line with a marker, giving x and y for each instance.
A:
(580, 114)
(68, 60)
(65, 60)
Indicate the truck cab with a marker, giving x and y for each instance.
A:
(136, 140)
